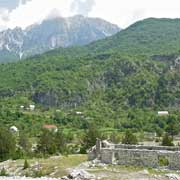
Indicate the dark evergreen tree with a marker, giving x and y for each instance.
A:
(46, 144)
(7, 144)
(167, 140)
(129, 138)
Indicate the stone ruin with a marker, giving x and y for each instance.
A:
(136, 155)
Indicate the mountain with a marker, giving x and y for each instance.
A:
(51, 34)
(119, 82)
(147, 37)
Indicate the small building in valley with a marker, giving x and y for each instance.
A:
(22, 107)
(14, 129)
(163, 113)
(32, 107)
(79, 113)
(50, 127)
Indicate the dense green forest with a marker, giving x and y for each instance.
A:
(120, 82)
(147, 37)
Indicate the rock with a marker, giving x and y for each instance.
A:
(80, 175)
(173, 176)
(52, 33)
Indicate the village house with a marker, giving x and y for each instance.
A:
(79, 113)
(50, 127)
(22, 107)
(163, 113)
(32, 107)
(14, 129)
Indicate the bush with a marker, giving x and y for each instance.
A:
(115, 138)
(7, 144)
(18, 154)
(167, 141)
(129, 138)
(163, 161)
(26, 164)
(38, 174)
(3, 172)
(157, 140)
(91, 136)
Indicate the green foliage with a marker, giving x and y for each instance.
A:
(91, 136)
(24, 142)
(26, 164)
(172, 125)
(129, 138)
(120, 82)
(115, 138)
(163, 161)
(38, 174)
(3, 172)
(52, 142)
(46, 144)
(147, 37)
(18, 154)
(7, 144)
(61, 142)
(167, 140)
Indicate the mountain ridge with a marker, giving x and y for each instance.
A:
(51, 34)
(149, 36)
(112, 86)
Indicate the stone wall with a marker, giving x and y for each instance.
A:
(146, 156)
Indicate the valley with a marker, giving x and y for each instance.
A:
(60, 98)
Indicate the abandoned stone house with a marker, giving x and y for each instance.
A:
(136, 155)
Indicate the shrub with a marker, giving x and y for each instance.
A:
(115, 138)
(26, 164)
(38, 174)
(3, 172)
(157, 140)
(163, 161)
(129, 138)
(167, 141)
(7, 144)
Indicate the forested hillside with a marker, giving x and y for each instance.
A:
(148, 37)
(112, 89)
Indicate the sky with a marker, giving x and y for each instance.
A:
(23, 13)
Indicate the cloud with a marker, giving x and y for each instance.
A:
(83, 7)
(122, 12)
(54, 14)
(4, 14)
(126, 12)
(9, 4)
(35, 11)
(6, 8)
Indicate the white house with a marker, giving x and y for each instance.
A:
(163, 113)
(14, 129)
(32, 107)
(79, 113)
(22, 107)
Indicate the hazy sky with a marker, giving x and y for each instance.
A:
(122, 12)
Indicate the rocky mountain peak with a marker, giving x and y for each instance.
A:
(53, 33)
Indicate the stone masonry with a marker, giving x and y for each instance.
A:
(136, 155)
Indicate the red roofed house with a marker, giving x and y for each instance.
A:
(50, 127)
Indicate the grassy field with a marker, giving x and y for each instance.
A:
(59, 166)
(56, 166)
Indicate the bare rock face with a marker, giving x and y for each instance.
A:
(51, 34)
(74, 175)
(80, 175)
